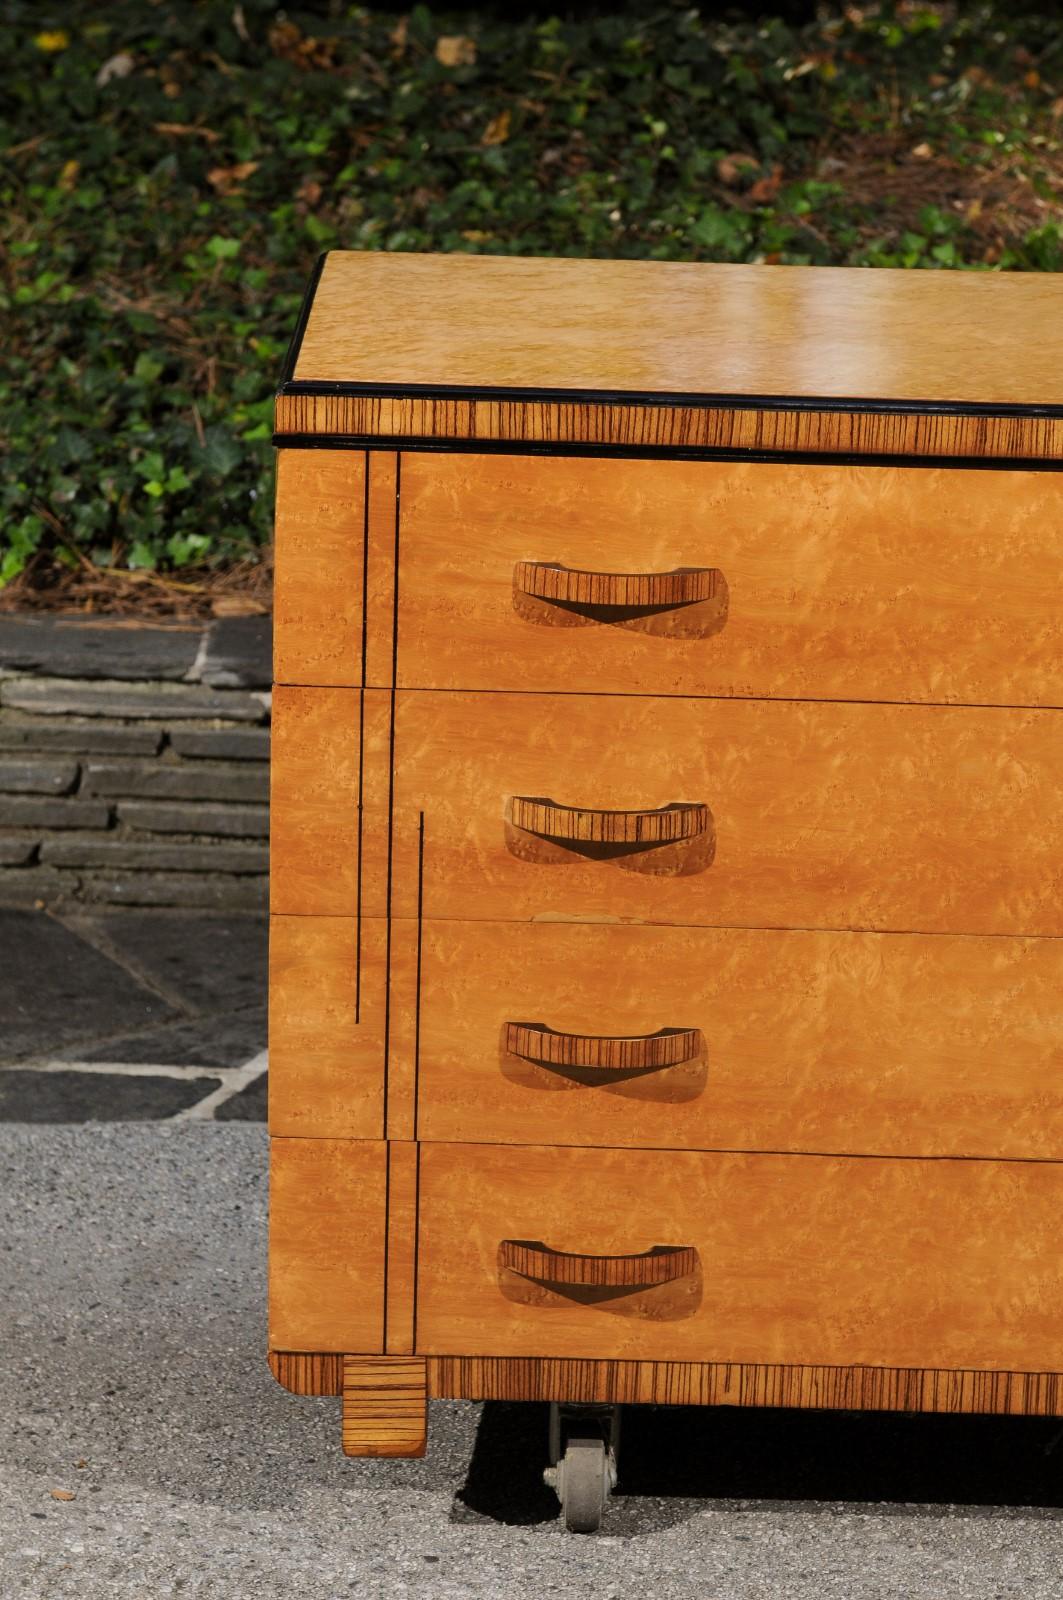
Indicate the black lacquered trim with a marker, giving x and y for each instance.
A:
(540, 447)
(295, 343)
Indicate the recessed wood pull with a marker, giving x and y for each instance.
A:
(533, 1259)
(683, 586)
(667, 826)
(615, 1053)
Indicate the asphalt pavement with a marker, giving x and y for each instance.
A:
(146, 1450)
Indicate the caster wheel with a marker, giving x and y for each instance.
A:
(585, 1473)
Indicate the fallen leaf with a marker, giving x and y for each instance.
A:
(767, 188)
(63, 1494)
(240, 24)
(1056, 108)
(937, 80)
(68, 177)
(119, 66)
(732, 169)
(228, 179)
(54, 39)
(497, 130)
(309, 191)
(185, 130)
(80, 1464)
(974, 211)
(1032, 80)
(474, 235)
(237, 605)
(398, 35)
(923, 152)
(455, 50)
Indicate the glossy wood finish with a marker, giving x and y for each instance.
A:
(400, 1309)
(385, 1406)
(865, 1043)
(646, 1270)
(678, 1383)
(675, 1383)
(329, 758)
(612, 1054)
(319, 555)
(307, 1374)
(867, 583)
(486, 322)
(810, 1260)
(910, 818)
(326, 1252)
(327, 1005)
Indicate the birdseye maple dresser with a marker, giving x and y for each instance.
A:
(667, 971)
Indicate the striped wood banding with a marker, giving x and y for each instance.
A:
(300, 1373)
(662, 1264)
(618, 426)
(668, 1048)
(666, 826)
(384, 1406)
(677, 1383)
(683, 587)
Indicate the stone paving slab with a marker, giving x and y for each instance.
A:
(131, 1016)
(57, 990)
(80, 647)
(132, 1300)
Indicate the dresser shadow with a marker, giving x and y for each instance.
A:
(676, 1461)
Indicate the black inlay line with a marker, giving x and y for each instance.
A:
(621, 452)
(417, 991)
(416, 1239)
(361, 742)
(358, 890)
(387, 1226)
(295, 343)
(391, 810)
(706, 400)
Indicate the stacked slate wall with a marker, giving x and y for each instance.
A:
(134, 763)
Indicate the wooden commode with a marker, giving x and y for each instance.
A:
(667, 859)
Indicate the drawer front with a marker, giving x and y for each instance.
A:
(710, 1039)
(821, 582)
(327, 1226)
(908, 818)
(671, 1255)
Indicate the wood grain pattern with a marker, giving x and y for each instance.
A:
(327, 1000)
(674, 1383)
(885, 1044)
(811, 1260)
(647, 1052)
(659, 1265)
(677, 1383)
(329, 805)
(550, 581)
(665, 825)
(380, 598)
(907, 818)
(327, 1240)
(385, 1406)
(400, 1308)
(866, 583)
(319, 555)
(300, 1373)
(666, 328)
(896, 437)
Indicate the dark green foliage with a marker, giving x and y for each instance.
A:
(173, 170)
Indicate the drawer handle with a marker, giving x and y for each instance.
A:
(665, 1263)
(647, 1052)
(628, 591)
(668, 825)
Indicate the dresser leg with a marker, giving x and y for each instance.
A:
(385, 1405)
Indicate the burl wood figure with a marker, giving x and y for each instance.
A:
(667, 844)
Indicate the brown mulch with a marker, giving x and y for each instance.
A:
(242, 590)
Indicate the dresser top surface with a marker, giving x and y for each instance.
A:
(631, 329)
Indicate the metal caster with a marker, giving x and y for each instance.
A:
(583, 1448)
